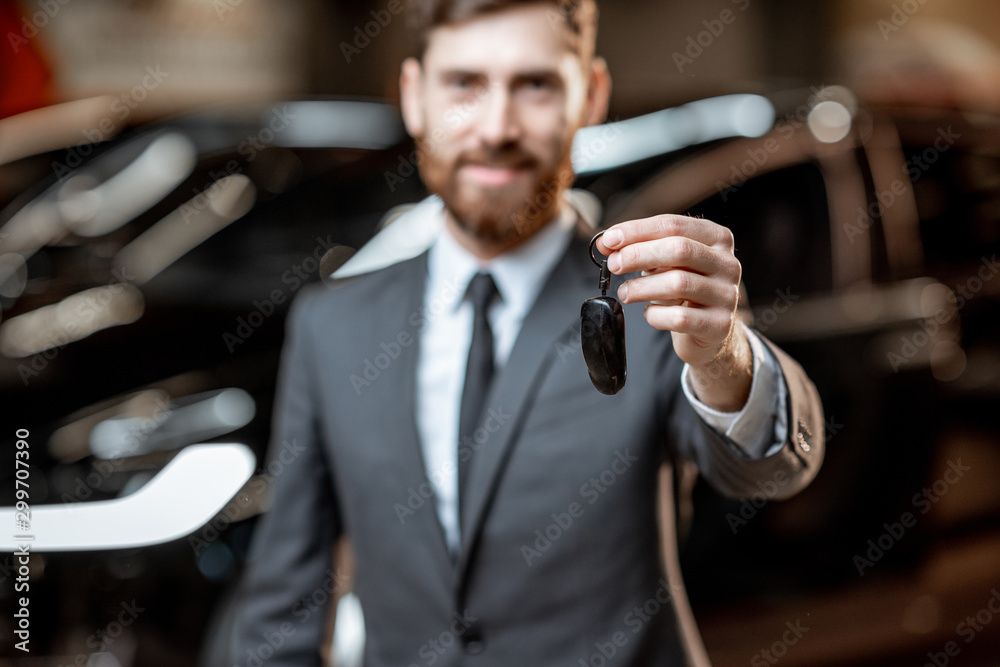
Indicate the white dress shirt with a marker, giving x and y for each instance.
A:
(759, 428)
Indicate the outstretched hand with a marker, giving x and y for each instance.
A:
(690, 279)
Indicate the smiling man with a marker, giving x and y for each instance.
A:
(500, 509)
(522, 98)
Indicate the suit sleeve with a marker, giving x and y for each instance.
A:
(785, 470)
(760, 426)
(292, 550)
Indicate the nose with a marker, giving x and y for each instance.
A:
(498, 121)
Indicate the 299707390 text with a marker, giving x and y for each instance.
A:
(22, 523)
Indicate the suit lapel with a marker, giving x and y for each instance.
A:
(405, 289)
(554, 317)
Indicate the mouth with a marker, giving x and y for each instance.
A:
(493, 176)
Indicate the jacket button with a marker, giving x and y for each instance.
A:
(803, 443)
(472, 640)
(803, 436)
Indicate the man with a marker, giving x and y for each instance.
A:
(528, 533)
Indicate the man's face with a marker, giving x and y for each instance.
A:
(493, 109)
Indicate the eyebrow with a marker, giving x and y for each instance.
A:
(473, 74)
(444, 75)
(548, 74)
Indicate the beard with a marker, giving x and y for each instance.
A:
(504, 214)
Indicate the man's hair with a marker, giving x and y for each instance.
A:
(580, 16)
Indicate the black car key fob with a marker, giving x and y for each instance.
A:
(602, 334)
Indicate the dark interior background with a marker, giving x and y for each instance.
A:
(917, 65)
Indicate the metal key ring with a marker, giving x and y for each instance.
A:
(592, 242)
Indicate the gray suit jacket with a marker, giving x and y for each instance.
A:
(560, 560)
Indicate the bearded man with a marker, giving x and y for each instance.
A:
(502, 511)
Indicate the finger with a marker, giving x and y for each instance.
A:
(680, 285)
(674, 252)
(704, 324)
(671, 302)
(661, 226)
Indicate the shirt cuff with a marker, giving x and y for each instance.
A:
(761, 426)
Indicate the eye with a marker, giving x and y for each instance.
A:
(538, 83)
(462, 82)
(541, 85)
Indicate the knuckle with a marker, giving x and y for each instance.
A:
(733, 268)
(665, 225)
(680, 248)
(678, 281)
(724, 237)
(631, 256)
(735, 299)
(656, 316)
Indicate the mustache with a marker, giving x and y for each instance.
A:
(512, 158)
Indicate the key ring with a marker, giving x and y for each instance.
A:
(592, 242)
(605, 280)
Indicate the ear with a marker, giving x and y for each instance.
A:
(598, 93)
(410, 97)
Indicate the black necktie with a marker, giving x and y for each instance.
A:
(478, 374)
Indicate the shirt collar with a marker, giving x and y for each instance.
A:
(519, 273)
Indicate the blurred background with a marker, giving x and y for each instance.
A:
(173, 171)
